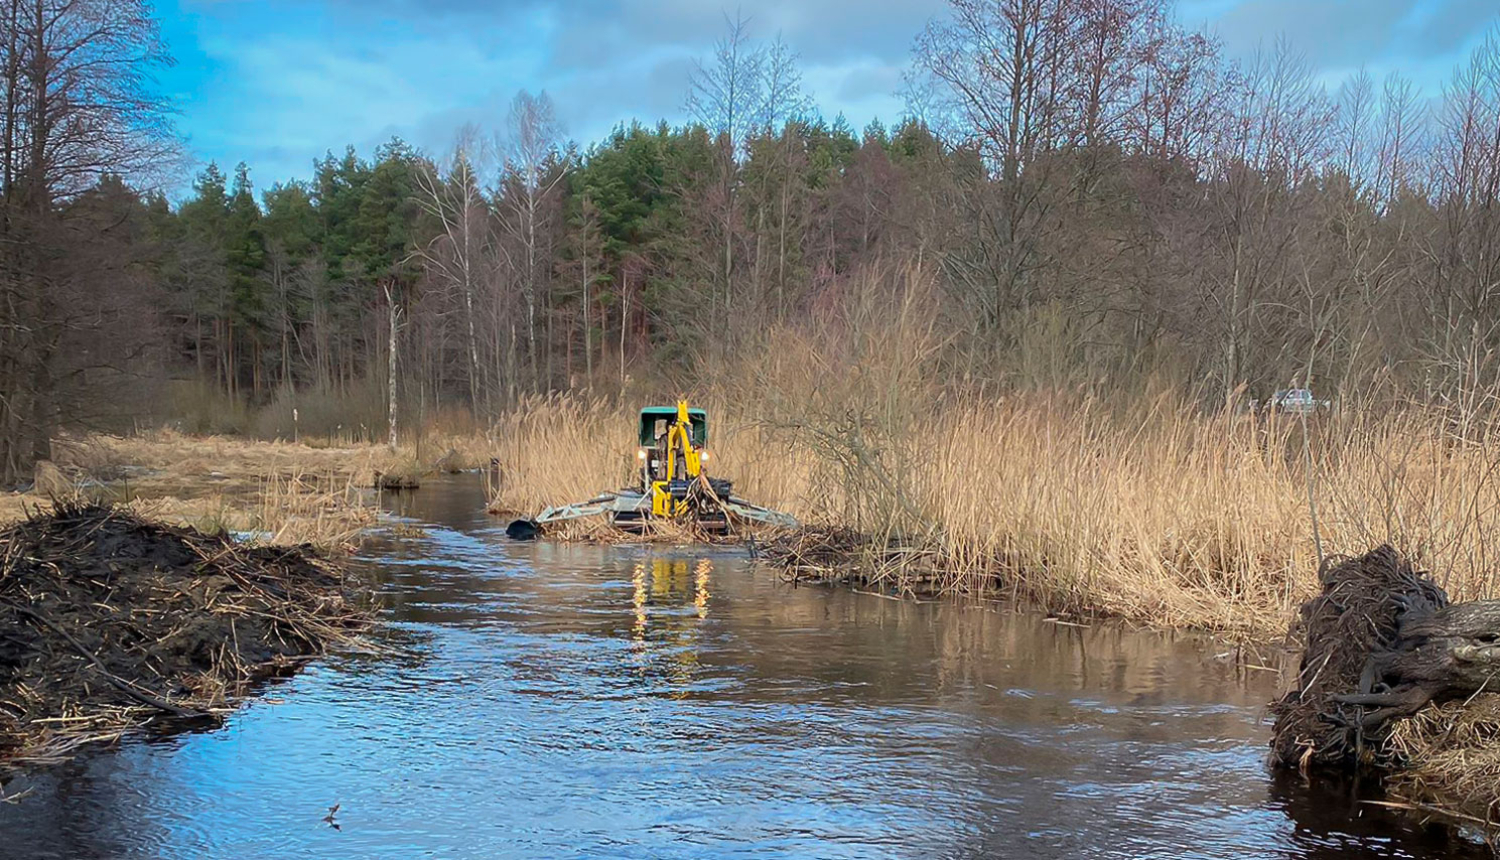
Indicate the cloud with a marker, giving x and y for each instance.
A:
(1422, 40)
(820, 30)
(279, 82)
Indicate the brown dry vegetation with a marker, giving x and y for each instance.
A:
(1452, 755)
(318, 491)
(1143, 504)
(1159, 515)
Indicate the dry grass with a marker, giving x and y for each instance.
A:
(1452, 756)
(280, 492)
(1160, 514)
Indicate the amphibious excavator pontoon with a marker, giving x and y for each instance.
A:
(672, 485)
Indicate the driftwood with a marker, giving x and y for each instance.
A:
(1437, 654)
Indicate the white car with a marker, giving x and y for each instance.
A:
(1298, 401)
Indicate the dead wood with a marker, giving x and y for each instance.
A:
(174, 622)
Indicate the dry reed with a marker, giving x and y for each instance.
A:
(1159, 514)
(1451, 757)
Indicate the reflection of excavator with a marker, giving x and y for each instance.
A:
(673, 484)
(664, 640)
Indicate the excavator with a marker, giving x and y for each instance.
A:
(673, 485)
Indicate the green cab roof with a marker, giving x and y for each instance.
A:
(652, 415)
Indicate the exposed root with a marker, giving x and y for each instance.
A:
(1354, 616)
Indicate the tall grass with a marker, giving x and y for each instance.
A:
(1142, 506)
(1164, 515)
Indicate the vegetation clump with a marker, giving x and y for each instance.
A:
(109, 621)
(827, 553)
(1451, 756)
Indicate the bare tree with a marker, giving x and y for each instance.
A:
(727, 96)
(1356, 113)
(531, 146)
(456, 254)
(78, 104)
(1275, 139)
(1403, 121)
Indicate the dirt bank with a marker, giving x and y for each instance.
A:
(109, 621)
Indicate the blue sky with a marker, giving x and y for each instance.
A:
(275, 83)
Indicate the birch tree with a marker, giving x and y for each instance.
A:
(532, 139)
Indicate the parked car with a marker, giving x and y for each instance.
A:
(1297, 401)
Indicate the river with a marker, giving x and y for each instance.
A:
(556, 701)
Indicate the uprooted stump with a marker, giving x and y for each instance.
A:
(1356, 616)
(108, 621)
(1395, 678)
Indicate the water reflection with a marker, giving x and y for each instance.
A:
(661, 587)
(553, 700)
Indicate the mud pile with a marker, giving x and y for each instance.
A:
(108, 621)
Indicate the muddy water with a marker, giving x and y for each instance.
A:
(552, 701)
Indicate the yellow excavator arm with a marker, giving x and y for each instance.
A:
(672, 485)
(664, 503)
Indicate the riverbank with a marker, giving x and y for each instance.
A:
(113, 621)
(315, 491)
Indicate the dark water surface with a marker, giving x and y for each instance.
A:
(554, 701)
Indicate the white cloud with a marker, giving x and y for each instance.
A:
(280, 82)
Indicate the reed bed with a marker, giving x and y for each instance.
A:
(1158, 513)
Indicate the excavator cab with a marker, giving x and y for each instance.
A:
(656, 420)
(671, 455)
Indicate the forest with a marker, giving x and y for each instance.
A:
(1086, 195)
(1023, 350)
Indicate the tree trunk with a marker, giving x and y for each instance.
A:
(394, 315)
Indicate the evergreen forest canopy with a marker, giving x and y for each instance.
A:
(1083, 194)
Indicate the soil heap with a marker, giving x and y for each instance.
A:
(108, 621)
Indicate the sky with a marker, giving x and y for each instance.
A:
(277, 83)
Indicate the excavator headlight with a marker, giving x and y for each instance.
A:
(640, 454)
(703, 455)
